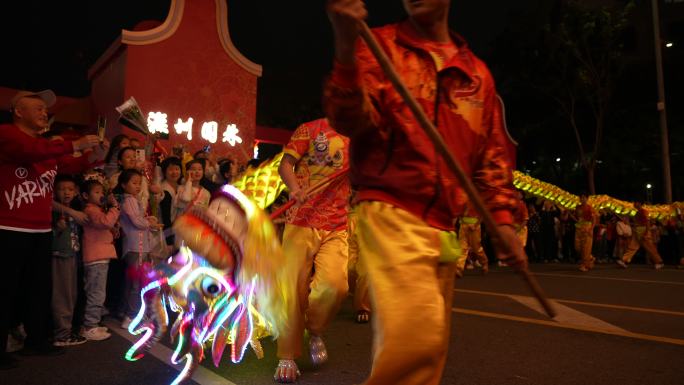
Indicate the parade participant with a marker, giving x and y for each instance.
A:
(641, 237)
(470, 238)
(624, 237)
(28, 165)
(407, 197)
(314, 241)
(586, 217)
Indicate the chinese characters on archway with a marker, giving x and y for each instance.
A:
(157, 122)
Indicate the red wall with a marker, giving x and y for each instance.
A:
(191, 75)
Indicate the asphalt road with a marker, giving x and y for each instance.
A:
(615, 327)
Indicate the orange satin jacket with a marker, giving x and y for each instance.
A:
(392, 159)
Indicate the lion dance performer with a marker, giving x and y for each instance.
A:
(407, 197)
(314, 241)
(223, 285)
(470, 238)
(641, 237)
(584, 233)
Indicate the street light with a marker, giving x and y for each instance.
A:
(669, 44)
(557, 159)
(649, 192)
(649, 186)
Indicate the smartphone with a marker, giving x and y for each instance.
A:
(101, 127)
(140, 155)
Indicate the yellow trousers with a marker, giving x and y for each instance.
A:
(411, 295)
(316, 264)
(470, 237)
(584, 238)
(642, 237)
(358, 274)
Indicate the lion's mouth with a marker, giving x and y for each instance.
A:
(216, 232)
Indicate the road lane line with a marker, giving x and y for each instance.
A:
(627, 334)
(595, 304)
(608, 278)
(202, 375)
(568, 316)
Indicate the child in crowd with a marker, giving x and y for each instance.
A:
(111, 165)
(191, 194)
(171, 170)
(65, 248)
(128, 161)
(136, 227)
(98, 249)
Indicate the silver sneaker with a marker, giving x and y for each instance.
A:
(286, 372)
(317, 351)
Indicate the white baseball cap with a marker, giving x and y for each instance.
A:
(47, 96)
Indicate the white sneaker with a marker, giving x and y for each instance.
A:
(126, 321)
(95, 334)
(659, 266)
(621, 263)
(501, 264)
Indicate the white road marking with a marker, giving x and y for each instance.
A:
(593, 304)
(566, 315)
(202, 375)
(646, 337)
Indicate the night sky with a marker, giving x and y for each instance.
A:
(50, 44)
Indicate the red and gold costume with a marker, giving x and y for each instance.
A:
(584, 235)
(315, 236)
(642, 237)
(407, 198)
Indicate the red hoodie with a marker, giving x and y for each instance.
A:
(28, 166)
(392, 159)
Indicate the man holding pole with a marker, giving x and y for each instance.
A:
(407, 197)
(314, 241)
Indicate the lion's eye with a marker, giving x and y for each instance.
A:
(211, 287)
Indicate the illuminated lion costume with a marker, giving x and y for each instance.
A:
(223, 285)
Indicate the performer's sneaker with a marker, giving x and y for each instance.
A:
(583, 269)
(70, 341)
(286, 372)
(621, 263)
(317, 351)
(659, 266)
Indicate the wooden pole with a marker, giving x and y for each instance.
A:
(452, 163)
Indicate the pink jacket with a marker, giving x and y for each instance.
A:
(98, 241)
